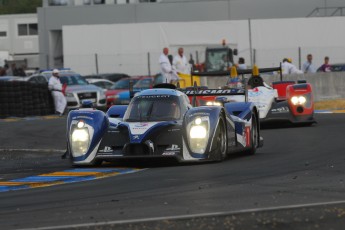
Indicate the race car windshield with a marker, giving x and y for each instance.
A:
(153, 108)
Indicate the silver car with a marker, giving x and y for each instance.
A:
(77, 89)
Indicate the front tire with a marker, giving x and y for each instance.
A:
(221, 141)
(254, 136)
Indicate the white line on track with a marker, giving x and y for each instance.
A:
(34, 150)
(287, 207)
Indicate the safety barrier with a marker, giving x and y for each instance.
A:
(21, 99)
(326, 86)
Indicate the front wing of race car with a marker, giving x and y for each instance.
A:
(205, 134)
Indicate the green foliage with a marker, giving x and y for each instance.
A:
(19, 6)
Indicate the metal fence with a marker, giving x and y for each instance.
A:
(146, 63)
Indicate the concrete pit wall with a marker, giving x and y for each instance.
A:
(326, 86)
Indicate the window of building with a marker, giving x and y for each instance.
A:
(57, 2)
(98, 1)
(27, 29)
(3, 34)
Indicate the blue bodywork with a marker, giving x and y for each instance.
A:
(116, 134)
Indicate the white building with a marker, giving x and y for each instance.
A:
(128, 35)
(19, 38)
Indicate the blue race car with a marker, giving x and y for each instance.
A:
(161, 123)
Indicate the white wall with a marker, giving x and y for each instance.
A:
(124, 47)
(19, 47)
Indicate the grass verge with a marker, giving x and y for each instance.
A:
(330, 104)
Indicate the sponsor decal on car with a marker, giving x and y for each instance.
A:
(106, 149)
(173, 150)
(214, 92)
(139, 128)
(169, 153)
(199, 114)
(141, 125)
(283, 109)
(173, 130)
(154, 96)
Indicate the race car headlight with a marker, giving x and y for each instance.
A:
(214, 103)
(198, 134)
(298, 100)
(80, 140)
(197, 131)
(80, 124)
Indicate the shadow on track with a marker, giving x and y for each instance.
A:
(158, 163)
(284, 125)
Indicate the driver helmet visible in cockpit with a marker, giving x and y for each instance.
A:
(167, 109)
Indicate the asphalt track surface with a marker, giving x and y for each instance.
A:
(296, 181)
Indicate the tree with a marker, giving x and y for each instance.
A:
(19, 6)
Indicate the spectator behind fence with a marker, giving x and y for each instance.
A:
(289, 68)
(241, 63)
(2, 71)
(308, 66)
(180, 62)
(8, 70)
(166, 67)
(15, 70)
(325, 67)
(21, 71)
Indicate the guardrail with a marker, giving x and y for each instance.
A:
(22, 99)
(326, 86)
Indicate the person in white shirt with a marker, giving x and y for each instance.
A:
(180, 62)
(167, 71)
(289, 68)
(55, 87)
(308, 66)
(241, 63)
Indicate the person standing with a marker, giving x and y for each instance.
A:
(8, 70)
(180, 62)
(241, 63)
(165, 66)
(289, 68)
(55, 87)
(308, 66)
(325, 67)
(2, 71)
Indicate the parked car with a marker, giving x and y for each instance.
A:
(102, 83)
(114, 77)
(147, 82)
(120, 86)
(33, 79)
(78, 90)
(48, 73)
